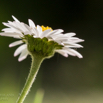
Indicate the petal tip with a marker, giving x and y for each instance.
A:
(10, 46)
(15, 55)
(80, 56)
(15, 18)
(19, 60)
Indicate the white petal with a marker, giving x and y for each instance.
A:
(57, 36)
(16, 43)
(21, 27)
(35, 32)
(69, 51)
(74, 53)
(18, 26)
(15, 35)
(31, 23)
(73, 40)
(20, 49)
(55, 32)
(61, 38)
(77, 53)
(15, 19)
(62, 52)
(70, 34)
(39, 30)
(78, 40)
(73, 45)
(11, 30)
(6, 24)
(23, 55)
(44, 33)
(14, 25)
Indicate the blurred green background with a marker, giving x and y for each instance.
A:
(64, 80)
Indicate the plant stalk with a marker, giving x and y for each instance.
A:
(36, 62)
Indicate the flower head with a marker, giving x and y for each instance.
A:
(55, 40)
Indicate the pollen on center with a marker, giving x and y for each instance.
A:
(46, 28)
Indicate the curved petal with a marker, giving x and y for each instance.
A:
(15, 19)
(62, 52)
(73, 52)
(16, 43)
(69, 51)
(46, 32)
(73, 45)
(70, 34)
(77, 53)
(35, 32)
(21, 27)
(55, 32)
(20, 49)
(23, 55)
(11, 30)
(39, 30)
(31, 23)
(15, 35)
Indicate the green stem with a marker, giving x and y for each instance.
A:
(36, 62)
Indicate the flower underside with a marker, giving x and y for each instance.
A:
(42, 47)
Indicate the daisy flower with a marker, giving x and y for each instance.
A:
(19, 30)
(40, 42)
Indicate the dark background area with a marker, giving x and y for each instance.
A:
(84, 17)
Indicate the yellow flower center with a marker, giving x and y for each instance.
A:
(46, 28)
